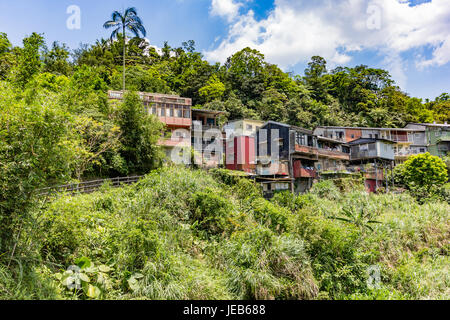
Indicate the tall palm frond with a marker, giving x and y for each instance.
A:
(126, 21)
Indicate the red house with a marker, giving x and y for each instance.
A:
(240, 154)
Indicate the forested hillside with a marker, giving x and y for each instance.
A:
(245, 86)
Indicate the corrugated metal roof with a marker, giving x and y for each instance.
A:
(369, 140)
(368, 128)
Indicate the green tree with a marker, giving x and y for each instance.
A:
(139, 78)
(314, 78)
(213, 90)
(245, 72)
(424, 174)
(36, 150)
(56, 60)
(125, 21)
(95, 140)
(140, 135)
(29, 60)
(273, 106)
(7, 59)
(440, 108)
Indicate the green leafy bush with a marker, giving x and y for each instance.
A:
(262, 265)
(209, 211)
(326, 189)
(270, 215)
(424, 175)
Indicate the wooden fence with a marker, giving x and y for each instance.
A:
(89, 186)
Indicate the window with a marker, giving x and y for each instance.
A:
(353, 136)
(300, 139)
(163, 110)
(423, 150)
(249, 127)
(281, 144)
(179, 112)
(187, 113)
(180, 134)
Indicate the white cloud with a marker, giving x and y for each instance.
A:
(295, 30)
(228, 9)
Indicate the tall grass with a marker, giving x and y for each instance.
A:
(187, 234)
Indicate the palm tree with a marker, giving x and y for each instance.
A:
(126, 21)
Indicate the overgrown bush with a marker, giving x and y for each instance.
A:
(424, 175)
(270, 215)
(262, 265)
(326, 189)
(209, 212)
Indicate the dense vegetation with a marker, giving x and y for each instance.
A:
(245, 86)
(188, 234)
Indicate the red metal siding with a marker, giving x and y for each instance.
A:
(356, 133)
(300, 172)
(371, 185)
(243, 154)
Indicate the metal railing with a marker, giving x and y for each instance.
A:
(88, 186)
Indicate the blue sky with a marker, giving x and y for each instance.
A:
(411, 40)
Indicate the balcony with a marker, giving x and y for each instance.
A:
(401, 139)
(175, 121)
(334, 154)
(197, 125)
(310, 152)
(174, 142)
(115, 95)
(364, 155)
(275, 168)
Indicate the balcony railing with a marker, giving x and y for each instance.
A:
(307, 173)
(196, 126)
(174, 142)
(364, 154)
(334, 154)
(310, 151)
(400, 139)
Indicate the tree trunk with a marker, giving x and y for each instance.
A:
(124, 53)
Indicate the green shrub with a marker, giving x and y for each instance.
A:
(209, 211)
(424, 175)
(332, 246)
(270, 215)
(350, 184)
(227, 177)
(264, 266)
(326, 189)
(285, 199)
